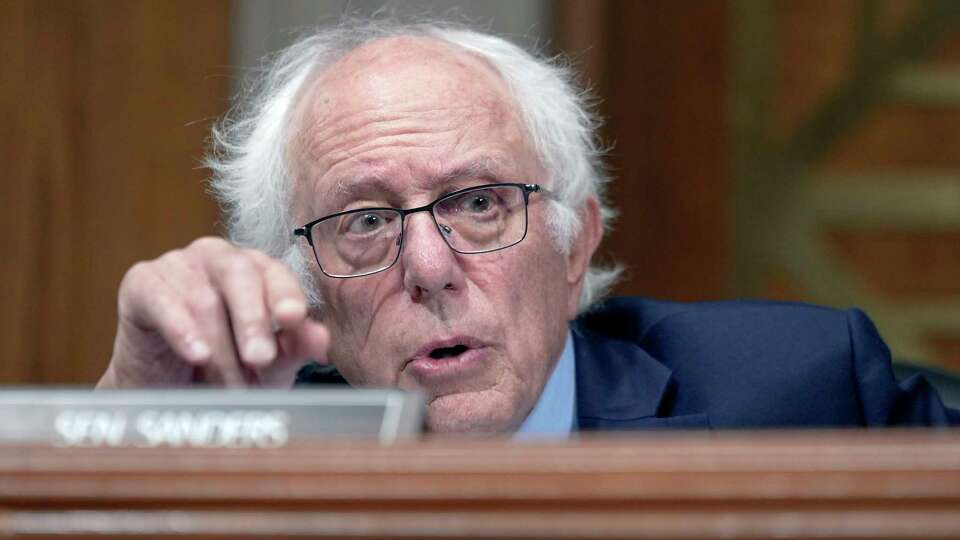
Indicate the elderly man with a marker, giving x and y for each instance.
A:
(418, 206)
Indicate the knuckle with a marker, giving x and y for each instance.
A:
(251, 316)
(238, 264)
(205, 301)
(279, 271)
(172, 256)
(175, 333)
(256, 326)
(173, 259)
(134, 276)
(208, 243)
(137, 270)
(256, 255)
(248, 311)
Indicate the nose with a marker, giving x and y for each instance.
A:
(429, 265)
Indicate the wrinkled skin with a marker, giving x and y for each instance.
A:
(400, 122)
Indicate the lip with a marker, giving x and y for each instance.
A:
(425, 368)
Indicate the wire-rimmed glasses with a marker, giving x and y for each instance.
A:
(365, 241)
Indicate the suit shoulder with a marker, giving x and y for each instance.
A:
(634, 318)
(747, 363)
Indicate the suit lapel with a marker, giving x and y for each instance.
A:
(622, 387)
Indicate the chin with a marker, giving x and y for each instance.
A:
(486, 412)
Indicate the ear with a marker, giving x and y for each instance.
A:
(581, 251)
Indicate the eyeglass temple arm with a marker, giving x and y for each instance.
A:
(537, 188)
(304, 232)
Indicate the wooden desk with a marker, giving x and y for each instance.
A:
(726, 485)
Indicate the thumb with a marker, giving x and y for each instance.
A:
(308, 341)
(297, 346)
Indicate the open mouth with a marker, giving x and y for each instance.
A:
(448, 352)
(452, 357)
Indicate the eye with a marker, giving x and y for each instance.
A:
(477, 202)
(365, 223)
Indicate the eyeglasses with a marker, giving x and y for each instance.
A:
(365, 241)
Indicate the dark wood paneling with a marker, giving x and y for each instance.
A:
(111, 102)
(18, 308)
(665, 82)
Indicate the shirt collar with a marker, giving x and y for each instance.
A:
(554, 416)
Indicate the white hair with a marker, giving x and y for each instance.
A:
(249, 150)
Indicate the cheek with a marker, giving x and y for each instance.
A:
(350, 313)
(526, 290)
(545, 293)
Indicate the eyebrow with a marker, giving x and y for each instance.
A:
(484, 167)
(355, 186)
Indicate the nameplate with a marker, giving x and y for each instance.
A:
(202, 418)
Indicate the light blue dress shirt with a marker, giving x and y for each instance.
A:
(555, 414)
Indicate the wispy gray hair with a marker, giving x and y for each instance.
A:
(249, 152)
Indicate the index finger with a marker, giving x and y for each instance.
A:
(283, 294)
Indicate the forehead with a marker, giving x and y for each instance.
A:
(405, 103)
(409, 71)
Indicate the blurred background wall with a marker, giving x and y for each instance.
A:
(805, 150)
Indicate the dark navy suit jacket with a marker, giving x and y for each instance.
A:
(647, 364)
(643, 364)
